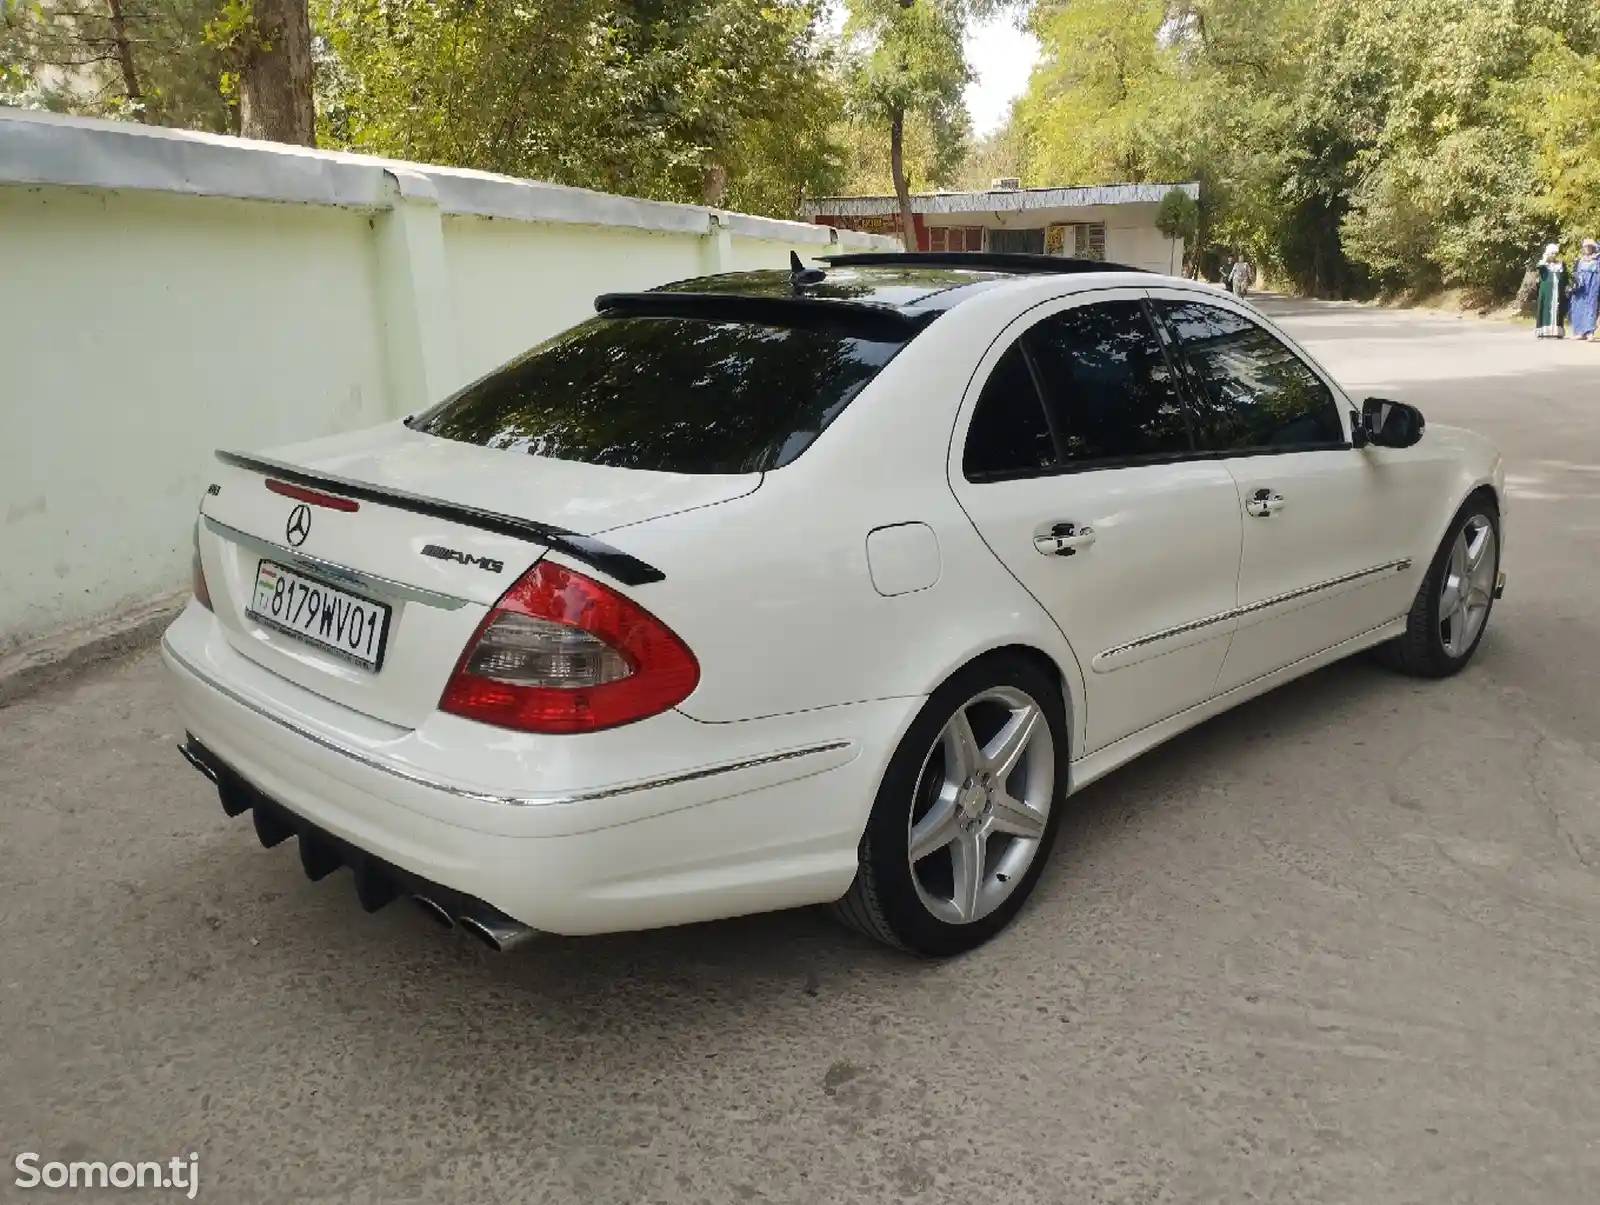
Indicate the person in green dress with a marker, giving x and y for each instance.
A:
(1552, 295)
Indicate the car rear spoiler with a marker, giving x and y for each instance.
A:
(853, 319)
(597, 554)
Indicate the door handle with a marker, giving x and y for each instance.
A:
(1063, 539)
(1264, 503)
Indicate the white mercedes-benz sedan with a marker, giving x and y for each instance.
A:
(816, 586)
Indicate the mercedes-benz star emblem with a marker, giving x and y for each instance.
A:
(299, 525)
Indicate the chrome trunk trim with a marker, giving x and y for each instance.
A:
(342, 575)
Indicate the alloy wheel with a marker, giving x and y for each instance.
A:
(1467, 590)
(981, 805)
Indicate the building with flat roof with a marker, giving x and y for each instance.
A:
(1115, 222)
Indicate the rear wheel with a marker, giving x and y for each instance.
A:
(966, 813)
(1451, 610)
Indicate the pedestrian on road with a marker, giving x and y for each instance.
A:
(1243, 275)
(1585, 296)
(1227, 274)
(1552, 295)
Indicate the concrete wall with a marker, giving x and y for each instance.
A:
(165, 294)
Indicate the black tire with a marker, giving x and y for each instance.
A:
(884, 902)
(1422, 651)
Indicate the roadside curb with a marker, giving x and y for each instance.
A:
(61, 655)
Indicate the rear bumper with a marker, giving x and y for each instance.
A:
(378, 883)
(665, 822)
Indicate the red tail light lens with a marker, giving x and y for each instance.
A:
(562, 653)
(202, 592)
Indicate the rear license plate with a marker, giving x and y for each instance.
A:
(335, 620)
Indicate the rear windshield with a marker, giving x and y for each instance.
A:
(678, 395)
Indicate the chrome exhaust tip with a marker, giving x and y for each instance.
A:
(499, 933)
(434, 911)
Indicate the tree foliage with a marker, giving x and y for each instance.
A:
(1346, 143)
(726, 101)
(141, 59)
(908, 64)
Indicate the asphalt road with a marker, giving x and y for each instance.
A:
(1338, 946)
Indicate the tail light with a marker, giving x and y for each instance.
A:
(562, 653)
(202, 592)
(315, 497)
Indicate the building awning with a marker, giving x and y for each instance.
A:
(1009, 200)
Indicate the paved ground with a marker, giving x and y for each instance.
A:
(1339, 946)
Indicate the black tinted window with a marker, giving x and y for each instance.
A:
(1110, 392)
(1253, 392)
(1008, 432)
(674, 394)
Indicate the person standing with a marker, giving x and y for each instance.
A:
(1227, 273)
(1584, 300)
(1552, 295)
(1242, 276)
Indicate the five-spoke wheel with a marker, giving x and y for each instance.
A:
(1467, 591)
(1451, 609)
(963, 822)
(982, 805)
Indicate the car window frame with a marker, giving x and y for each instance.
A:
(1015, 332)
(1193, 385)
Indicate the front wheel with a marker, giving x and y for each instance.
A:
(1451, 610)
(966, 814)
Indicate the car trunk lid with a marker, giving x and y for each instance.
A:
(413, 535)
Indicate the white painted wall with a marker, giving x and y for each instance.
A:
(1131, 234)
(164, 294)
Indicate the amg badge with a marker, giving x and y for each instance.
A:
(440, 552)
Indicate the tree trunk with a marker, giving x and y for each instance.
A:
(714, 185)
(119, 32)
(275, 77)
(1193, 253)
(897, 169)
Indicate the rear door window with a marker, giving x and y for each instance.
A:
(1009, 435)
(1253, 393)
(1108, 385)
(676, 395)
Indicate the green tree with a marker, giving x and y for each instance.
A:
(1178, 217)
(707, 100)
(139, 59)
(1344, 143)
(929, 157)
(1002, 152)
(267, 45)
(1556, 106)
(909, 65)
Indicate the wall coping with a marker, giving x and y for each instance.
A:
(39, 148)
(1006, 200)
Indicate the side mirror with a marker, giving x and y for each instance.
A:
(1391, 424)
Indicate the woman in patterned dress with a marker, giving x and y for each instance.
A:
(1584, 300)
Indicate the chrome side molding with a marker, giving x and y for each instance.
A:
(1123, 654)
